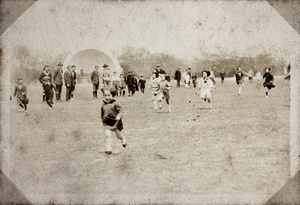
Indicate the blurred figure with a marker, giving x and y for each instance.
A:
(239, 77)
(250, 75)
(73, 82)
(131, 84)
(106, 75)
(178, 77)
(222, 75)
(68, 83)
(194, 80)
(205, 86)
(142, 84)
(123, 84)
(115, 83)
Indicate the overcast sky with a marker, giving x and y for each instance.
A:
(182, 29)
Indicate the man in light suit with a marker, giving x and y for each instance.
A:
(68, 82)
(58, 80)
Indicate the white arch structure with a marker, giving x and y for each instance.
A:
(109, 54)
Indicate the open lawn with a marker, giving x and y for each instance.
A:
(236, 153)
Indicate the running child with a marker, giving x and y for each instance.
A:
(239, 77)
(111, 115)
(49, 87)
(142, 84)
(269, 78)
(155, 80)
(21, 94)
(164, 87)
(205, 86)
(194, 79)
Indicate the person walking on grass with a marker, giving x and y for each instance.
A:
(58, 80)
(178, 77)
(68, 83)
(74, 81)
(142, 84)
(131, 84)
(49, 87)
(123, 84)
(205, 86)
(95, 81)
(111, 115)
(268, 84)
(164, 87)
(222, 75)
(45, 73)
(239, 77)
(21, 94)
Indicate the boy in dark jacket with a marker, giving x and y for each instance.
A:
(21, 94)
(111, 115)
(142, 84)
(49, 87)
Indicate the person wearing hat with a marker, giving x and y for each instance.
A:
(178, 77)
(131, 84)
(21, 94)
(95, 81)
(205, 86)
(164, 87)
(58, 80)
(268, 84)
(106, 75)
(73, 82)
(115, 83)
(68, 82)
(49, 87)
(45, 73)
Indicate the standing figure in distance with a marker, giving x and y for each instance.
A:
(142, 84)
(95, 80)
(123, 84)
(111, 115)
(131, 84)
(250, 75)
(21, 94)
(222, 75)
(106, 75)
(178, 77)
(155, 80)
(74, 81)
(239, 77)
(115, 83)
(194, 80)
(68, 82)
(58, 80)
(45, 73)
(268, 84)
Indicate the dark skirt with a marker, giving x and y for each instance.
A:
(269, 85)
(111, 121)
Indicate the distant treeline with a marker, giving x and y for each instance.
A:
(141, 62)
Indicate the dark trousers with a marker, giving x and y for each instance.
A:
(178, 83)
(72, 91)
(58, 88)
(132, 89)
(49, 100)
(68, 93)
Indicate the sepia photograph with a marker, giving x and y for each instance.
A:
(150, 102)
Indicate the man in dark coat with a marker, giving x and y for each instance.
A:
(178, 77)
(45, 73)
(131, 84)
(68, 82)
(95, 81)
(73, 73)
(58, 80)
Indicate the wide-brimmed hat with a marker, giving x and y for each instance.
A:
(105, 65)
(157, 65)
(59, 64)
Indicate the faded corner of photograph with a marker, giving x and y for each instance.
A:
(149, 102)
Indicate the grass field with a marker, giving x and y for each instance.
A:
(236, 153)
